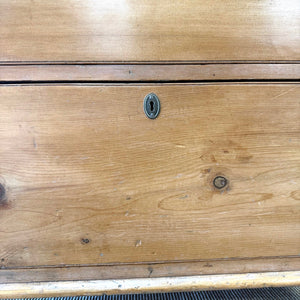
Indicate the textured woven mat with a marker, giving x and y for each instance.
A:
(289, 293)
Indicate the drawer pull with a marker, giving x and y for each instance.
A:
(151, 106)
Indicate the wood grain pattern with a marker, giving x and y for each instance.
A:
(142, 72)
(152, 270)
(188, 283)
(90, 180)
(114, 30)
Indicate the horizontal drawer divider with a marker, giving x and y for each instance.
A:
(147, 73)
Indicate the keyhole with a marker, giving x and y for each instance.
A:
(151, 106)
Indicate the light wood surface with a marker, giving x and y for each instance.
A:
(151, 270)
(114, 30)
(96, 198)
(165, 284)
(89, 180)
(147, 72)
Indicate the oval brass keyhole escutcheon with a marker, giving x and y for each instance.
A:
(151, 106)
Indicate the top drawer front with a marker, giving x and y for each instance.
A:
(89, 179)
(174, 30)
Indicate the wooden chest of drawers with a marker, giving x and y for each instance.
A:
(95, 197)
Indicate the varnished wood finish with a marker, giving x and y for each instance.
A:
(114, 30)
(96, 198)
(154, 270)
(142, 72)
(188, 283)
(90, 180)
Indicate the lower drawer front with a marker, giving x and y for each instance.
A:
(88, 179)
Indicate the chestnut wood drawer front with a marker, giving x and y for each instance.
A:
(87, 179)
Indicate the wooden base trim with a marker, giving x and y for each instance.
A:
(150, 270)
(148, 73)
(141, 285)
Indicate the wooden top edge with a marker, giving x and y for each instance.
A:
(148, 73)
(142, 285)
(141, 31)
(149, 62)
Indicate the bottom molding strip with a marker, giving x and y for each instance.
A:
(150, 285)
